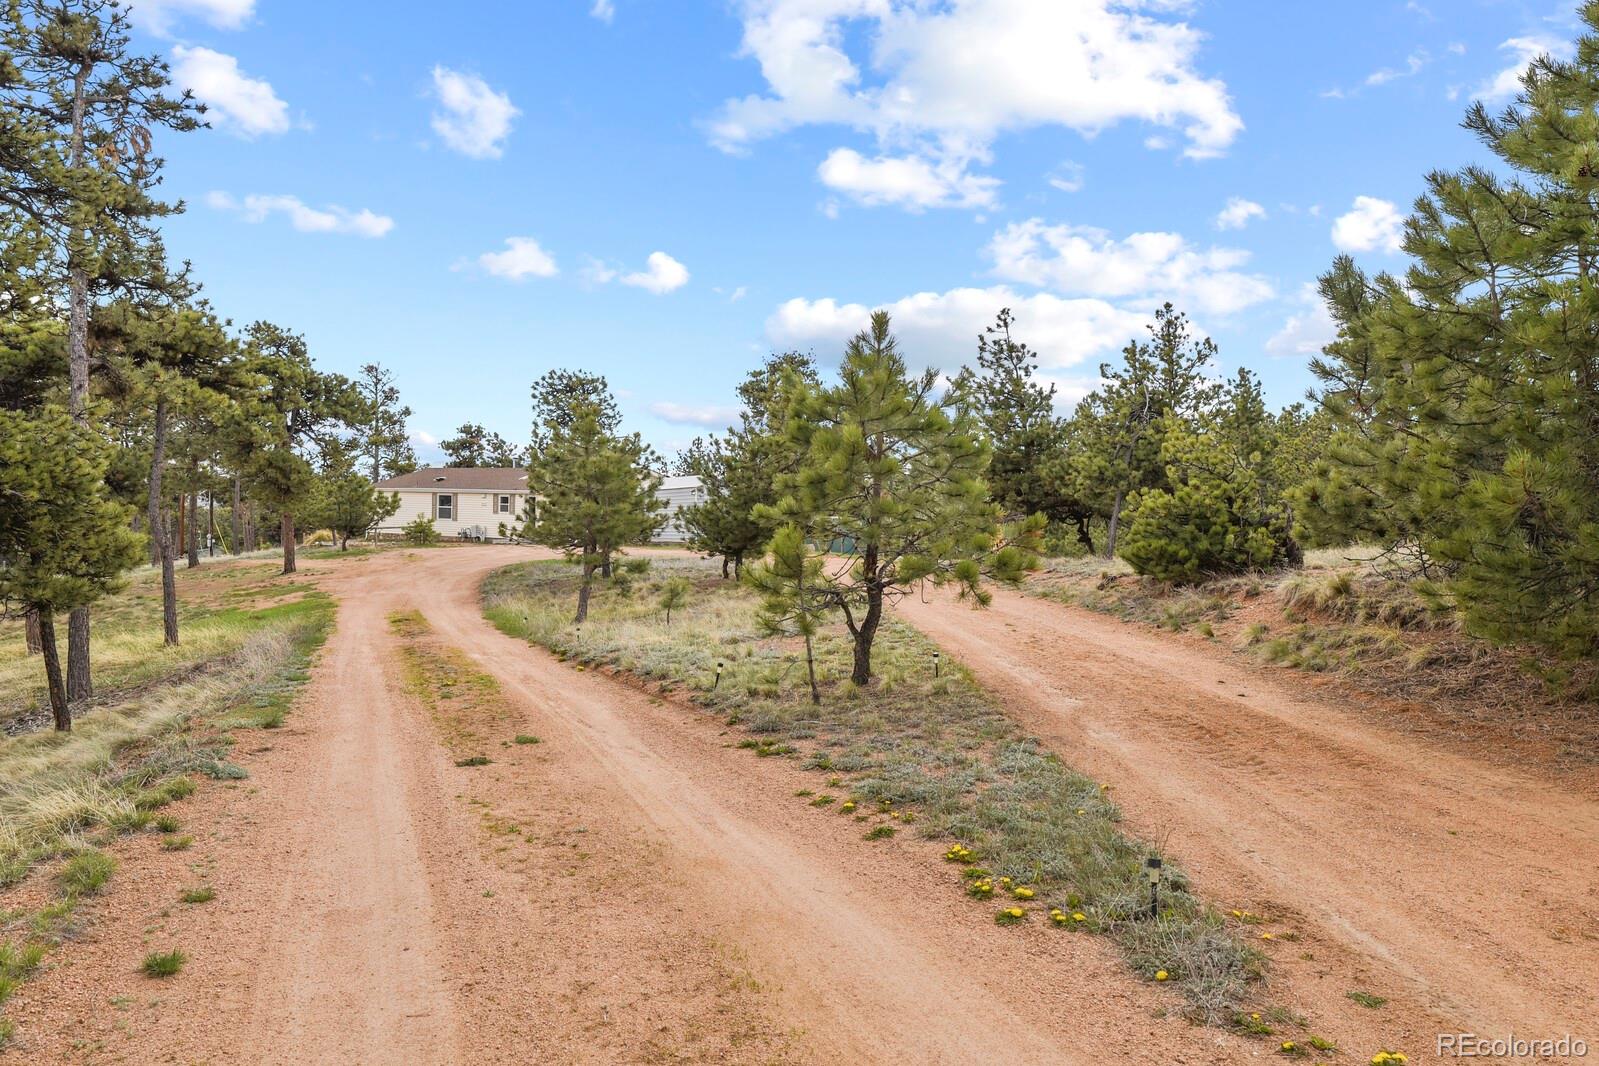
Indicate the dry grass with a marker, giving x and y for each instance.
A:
(932, 755)
(1342, 616)
(57, 788)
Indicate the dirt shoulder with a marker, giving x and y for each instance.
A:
(1456, 887)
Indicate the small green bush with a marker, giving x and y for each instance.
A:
(420, 531)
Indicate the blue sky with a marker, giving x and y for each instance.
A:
(666, 191)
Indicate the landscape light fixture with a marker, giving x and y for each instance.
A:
(718, 680)
(1152, 867)
(935, 664)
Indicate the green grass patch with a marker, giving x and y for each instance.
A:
(935, 751)
(1367, 1000)
(127, 758)
(199, 895)
(86, 873)
(163, 963)
(523, 738)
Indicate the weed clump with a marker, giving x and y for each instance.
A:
(163, 964)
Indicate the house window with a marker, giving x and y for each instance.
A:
(505, 505)
(444, 506)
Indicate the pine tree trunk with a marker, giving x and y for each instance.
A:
(59, 707)
(1084, 536)
(161, 543)
(605, 564)
(583, 594)
(286, 527)
(725, 561)
(810, 669)
(194, 530)
(865, 635)
(236, 520)
(31, 626)
(80, 682)
(1115, 521)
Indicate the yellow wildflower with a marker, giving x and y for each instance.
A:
(1161, 975)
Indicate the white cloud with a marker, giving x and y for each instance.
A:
(604, 10)
(970, 69)
(522, 258)
(661, 274)
(1307, 331)
(1238, 213)
(712, 416)
(912, 182)
(1069, 176)
(939, 82)
(329, 219)
(941, 328)
(1148, 267)
(1371, 225)
(1523, 50)
(247, 106)
(422, 436)
(159, 16)
(1413, 66)
(475, 119)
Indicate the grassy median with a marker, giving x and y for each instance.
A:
(913, 753)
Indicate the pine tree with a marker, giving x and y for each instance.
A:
(1024, 433)
(343, 499)
(178, 360)
(1113, 441)
(597, 490)
(739, 470)
(384, 441)
(1223, 509)
(891, 476)
(1466, 398)
(475, 446)
(77, 116)
(796, 596)
(295, 412)
(63, 541)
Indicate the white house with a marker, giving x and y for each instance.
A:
(678, 492)
(469, 502)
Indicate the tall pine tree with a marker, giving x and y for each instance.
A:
(1466, 396)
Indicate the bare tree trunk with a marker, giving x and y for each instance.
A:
(1115, 520)
(30, 624)
(194, 530)
(161, 543)
(59, 707)
(236, 521)
(286, 527)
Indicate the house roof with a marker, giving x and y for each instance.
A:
(461, 478)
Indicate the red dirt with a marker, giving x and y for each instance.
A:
(636, 889)
(1461, 889)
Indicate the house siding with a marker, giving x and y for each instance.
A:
(474, 511)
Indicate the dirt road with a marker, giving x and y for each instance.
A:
(1443, 881)
(632, 889)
